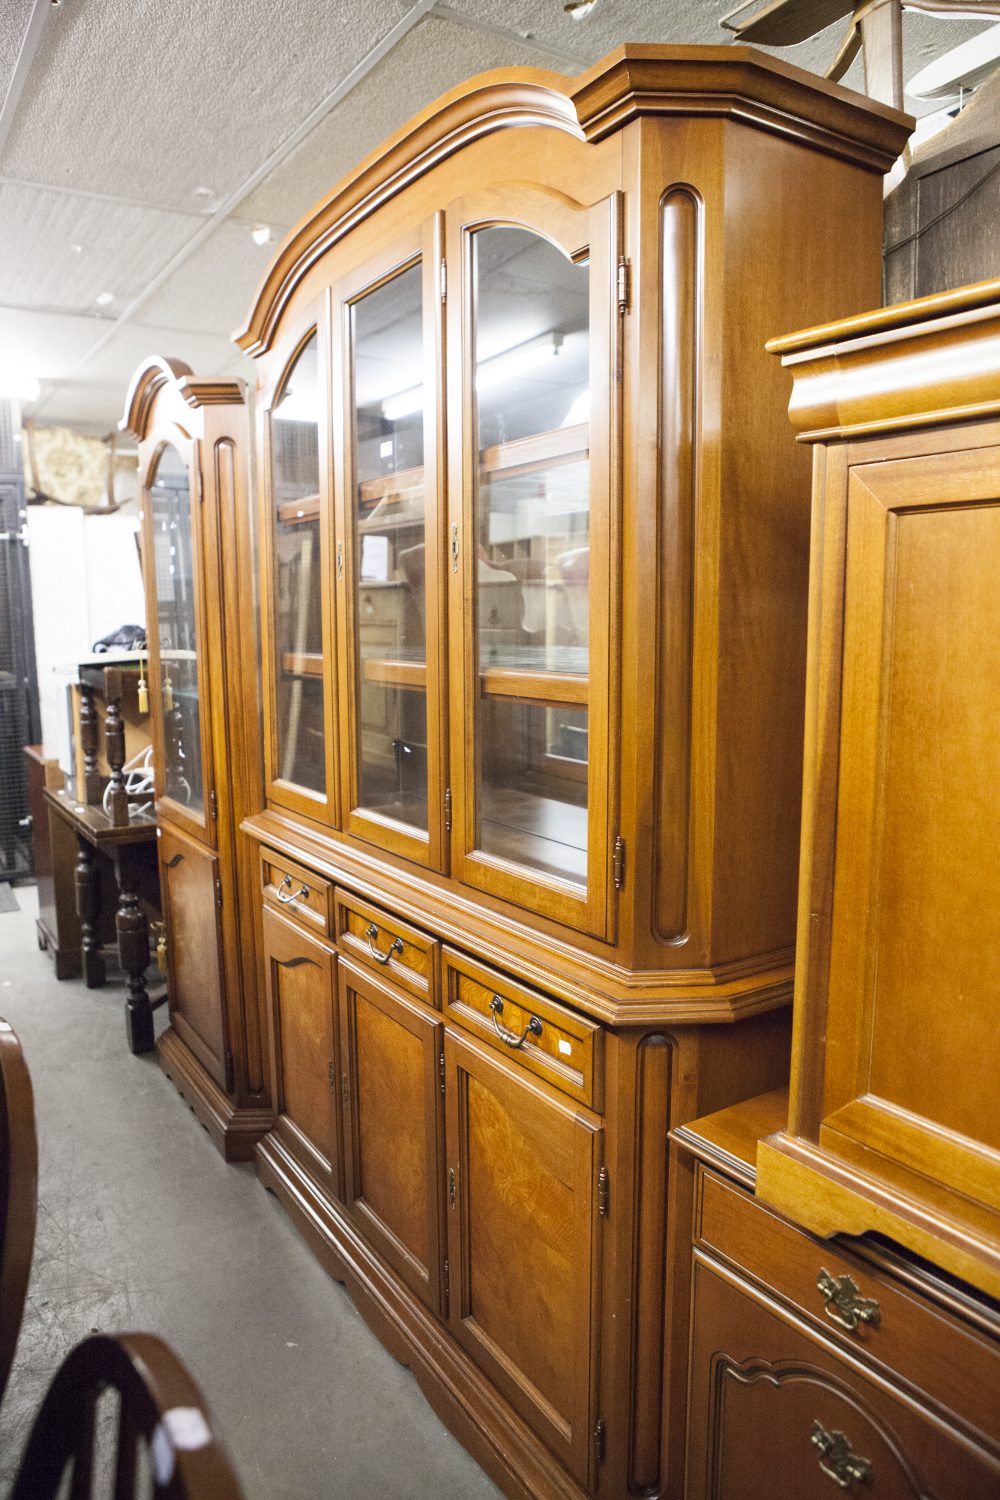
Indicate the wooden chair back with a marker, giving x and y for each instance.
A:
(18, 1192)
(163, 1443)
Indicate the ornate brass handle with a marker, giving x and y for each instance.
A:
(836, 1459)
(844, 1304)
(382, 958)
(290, 900)
(533, 1028)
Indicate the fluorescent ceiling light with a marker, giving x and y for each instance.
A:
(964, 67)
(17, 384)
(501, 367)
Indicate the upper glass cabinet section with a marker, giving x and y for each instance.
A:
(532, 536)
(300, 749)
(169, 501)
(387, 514)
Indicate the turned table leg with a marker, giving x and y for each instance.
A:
(88, 907)
(88, 743)
(133, 955)
(114, 745)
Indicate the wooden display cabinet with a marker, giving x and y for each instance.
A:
(892, 1122)
(197, 543)
(534, 552)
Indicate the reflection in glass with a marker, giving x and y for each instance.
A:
(390, 594)
(173, 561)
(298, 620)
(532, 351)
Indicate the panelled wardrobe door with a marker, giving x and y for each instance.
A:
(175, 568)
(393, 1124)
(523, 1242)
(532, 356)
(190, 889)
(387, 346)
(301, 999)
(295, 546)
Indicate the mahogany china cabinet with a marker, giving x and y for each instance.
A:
(194, 441)
(893, 1125)
(534, 544)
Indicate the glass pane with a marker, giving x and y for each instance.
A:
(532, 353)
(390, 593)
(298, 620)
(173, 561)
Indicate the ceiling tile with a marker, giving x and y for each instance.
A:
(13, 25)
(46, 344)
(214, 287)
(151, 101)
(434, 57)
(120, 247)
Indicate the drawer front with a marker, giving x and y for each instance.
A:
(554, 1043)
(296, 892)
(776, 1414)
(388, 946)
(956, 1366)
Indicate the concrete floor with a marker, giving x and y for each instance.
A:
(141, 1225)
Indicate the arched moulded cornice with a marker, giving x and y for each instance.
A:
(156, 373)
(631, 82)
(149, 379)
(493, 101)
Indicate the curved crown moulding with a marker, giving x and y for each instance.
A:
(156, 373)
(631, 82)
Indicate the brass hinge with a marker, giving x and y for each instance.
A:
(624, 284)
(443, 279)
(345, 1091)
(447, 1287)
(447, 811)
(218, 891)
(618, 863)
(599, 1435)
(229, 1071)
(602, 1190)
(199, 483)
(213, 805)
(441, 1071)
(329, 1075)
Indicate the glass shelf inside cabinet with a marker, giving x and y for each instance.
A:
(389, 551)
(173, 557)
(298, 621)
(532, 387)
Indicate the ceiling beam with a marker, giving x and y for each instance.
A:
(26, 55)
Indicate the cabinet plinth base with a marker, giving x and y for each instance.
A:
(461, 1396)
(234, 1132)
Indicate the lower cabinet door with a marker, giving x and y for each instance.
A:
(301, 997)
(523, 1242)
(189, 891)
(390, 1055)
(776, 1414)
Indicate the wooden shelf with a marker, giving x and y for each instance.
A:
(395, 672)
(564, 445)
(298, 512)
(302, 663)
(546, 689)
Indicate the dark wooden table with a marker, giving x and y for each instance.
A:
(131, 849)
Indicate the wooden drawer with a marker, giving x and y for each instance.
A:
(544, 1037)
(388, 946)
(297, 892)
(955, 1364)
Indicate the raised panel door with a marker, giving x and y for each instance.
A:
(189, 882)
(301, 1000)
(523, 1242)
(393, 1123)
(533, 350)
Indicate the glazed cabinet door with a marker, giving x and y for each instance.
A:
(301, 999)
(523, 1242)
(297, 640)
(387, 348)
(775, 1414)
(174, 545)
(532, 368)
(393, 1123)
(912, 1047)
(191, 892)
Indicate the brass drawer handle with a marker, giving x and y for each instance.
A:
(511, 1038)
(836, 1459)
(381, 958)
(844, 1304)
(290, 900)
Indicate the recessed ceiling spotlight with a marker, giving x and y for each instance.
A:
(76, 249)
(204, 192)
(261, 234)
(103, 298)
(579, 8)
